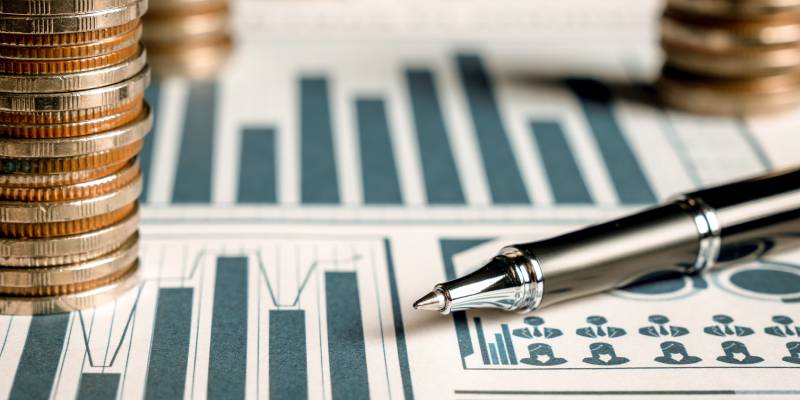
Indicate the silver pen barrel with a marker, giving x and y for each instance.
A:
(727, 224)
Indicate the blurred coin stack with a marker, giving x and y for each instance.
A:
(731, 57)
(188, 38)
(72, 122)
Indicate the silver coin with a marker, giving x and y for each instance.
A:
(58, 179)
(80, 145)
(72, 23)
(106, 96)
(54, 251)
(34, 305)
(73, 82)
(71, 274)
(58, 7)
(15, 212)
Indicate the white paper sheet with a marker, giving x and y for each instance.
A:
(343, 164)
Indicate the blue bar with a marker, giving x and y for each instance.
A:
(399, 330)
(626, 173)
(501, 348)
(193, 178)
(98, 386)
(493, 352)
(502, 171)
(565, 177)
(288, 372)
(512, 355)
(378, 168)
(442, 184)
(320, 183)
(228, 351)
(258, 173)
(38, 364)
(481, 341)
(169, 347)
(152, 95)
(346, 351)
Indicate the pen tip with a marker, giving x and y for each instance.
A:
(433, 301)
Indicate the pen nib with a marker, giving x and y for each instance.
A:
(433, 301)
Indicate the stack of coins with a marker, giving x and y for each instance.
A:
(188, 38)
(72, 122)
(731, 57)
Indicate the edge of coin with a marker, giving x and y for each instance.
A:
(26, 305)
(50, 24)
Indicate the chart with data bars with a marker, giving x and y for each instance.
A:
(586, 146)
(225, 316)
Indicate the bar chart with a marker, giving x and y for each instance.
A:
(215, 317)
(568, 148)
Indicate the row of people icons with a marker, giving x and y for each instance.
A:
(660, 326)
(672, 353)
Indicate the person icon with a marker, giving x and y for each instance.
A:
(541, 355)
(604, 354)
(661, 328)
(737, 353)
(784, 327)
(724, 327)
(794, 353)
(675, 353)
(536, 330)
(598, 330)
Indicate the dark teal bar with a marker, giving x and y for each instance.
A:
(378, 168)
(169, 347)
(442, 184)
(493, 353)
(98, 386)
(193, 178)
(258, 173)
(152, 95)
(501, 348)
(38, 364)
(566, 180)
(512, 355)
(227, 359)
(346, 349)
(481, 341)
(399, 330)
(502, 171)
(288, 370)
(626, 172)
(320, 182)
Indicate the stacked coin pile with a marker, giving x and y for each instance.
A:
(731, 56)
(72, 122)
(188, 38)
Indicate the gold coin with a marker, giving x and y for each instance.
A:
(66, 228)
(71, 129)
(71, 116)
(742, 62)
(91, 49)
(735, 9)
(721, 33)
(67, 279)
(67, 66)
(70, 164)
(65, 39)
(99, 187)
(718, 96)
(172, 28)
(34, 305)
(196, 60)
(66, 178)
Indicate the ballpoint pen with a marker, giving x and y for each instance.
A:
(692, 233)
